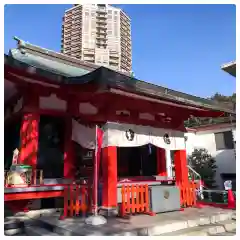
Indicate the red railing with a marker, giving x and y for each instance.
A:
(187, 194)
(77, 199)
(135, 199)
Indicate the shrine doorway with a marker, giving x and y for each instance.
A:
(51, 146)
(137, 161)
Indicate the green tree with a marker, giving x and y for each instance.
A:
(203, 163)
(226, 100)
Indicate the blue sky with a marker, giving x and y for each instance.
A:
(177, 46)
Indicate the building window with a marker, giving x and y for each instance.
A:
(224, 140)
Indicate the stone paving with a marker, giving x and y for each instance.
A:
(142, 224)
(136, 225)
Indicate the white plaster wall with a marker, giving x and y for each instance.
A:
(225, 159)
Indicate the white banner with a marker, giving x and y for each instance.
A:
(128, 135)
(84, 136)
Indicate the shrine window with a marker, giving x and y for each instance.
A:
(224, 140)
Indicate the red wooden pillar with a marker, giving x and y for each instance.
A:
(181, 169)
(29, 131)
(69, 160)
(69, 156)
(109, 177)
(29, 139)
(161, 162)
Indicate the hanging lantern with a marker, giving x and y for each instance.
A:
(149, 149)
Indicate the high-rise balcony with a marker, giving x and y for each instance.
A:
(101, 10)
(100, 36)
(101, 43)
(88, 54)
(114, 55)
(88, 58)
(114, 61)
(101, 32)
(101, 16)
(101, 21)
(101, 26)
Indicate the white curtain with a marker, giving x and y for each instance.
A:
(84, 136)
(115, 135)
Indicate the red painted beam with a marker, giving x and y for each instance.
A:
(171, 106)
(32, 195)
(39, 80)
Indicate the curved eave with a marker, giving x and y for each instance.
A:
(230, 68)
(112, 80)
(47, 64)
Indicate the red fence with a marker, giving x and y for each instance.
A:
(77, 199)
(187, 194)
(135, 199)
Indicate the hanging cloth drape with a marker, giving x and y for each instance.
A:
(128, 135)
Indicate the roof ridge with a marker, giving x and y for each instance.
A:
(23, 44)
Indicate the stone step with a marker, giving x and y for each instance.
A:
(215, 229)
(38, 231)
(162, 229)
(13, 227)
(233, 233)
(186, 220)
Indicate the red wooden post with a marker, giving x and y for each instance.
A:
(133, 199)
(65, 204)
(181, 169)
(29, 131)
(123, 201)
(71, 195)
(137, 199)
(77, 206)
(69, 161)
(109, 176)
(128, 198)
(161, 162)
(69, 157)
(29, 139)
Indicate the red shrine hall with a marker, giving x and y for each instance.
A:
(52, 106)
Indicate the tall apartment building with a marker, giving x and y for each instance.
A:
(98, 33)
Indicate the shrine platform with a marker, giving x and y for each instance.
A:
(190, 222)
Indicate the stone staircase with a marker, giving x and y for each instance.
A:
(217, 223)
(221, 228)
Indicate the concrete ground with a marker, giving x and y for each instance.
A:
(190, 222)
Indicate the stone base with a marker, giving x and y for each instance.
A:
(95, 220)
(108, 212)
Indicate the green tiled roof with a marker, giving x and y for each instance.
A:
(63, 69)
(48, 64)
